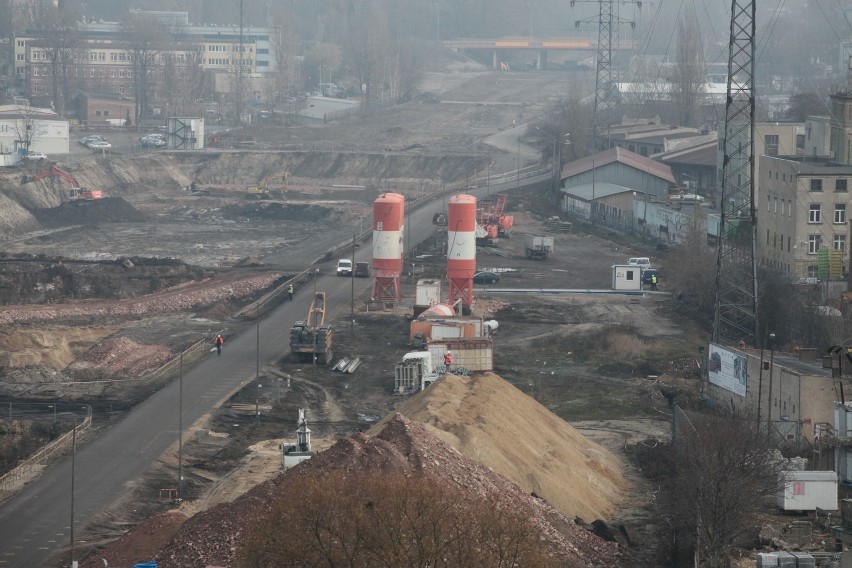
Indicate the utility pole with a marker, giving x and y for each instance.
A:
(73, 563)
(180, 431)
(605, 95)
(352, 289)
(239, 93)
(735, 317)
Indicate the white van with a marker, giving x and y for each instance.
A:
(642, 261)
(344, 267)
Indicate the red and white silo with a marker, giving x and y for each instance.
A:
(388, 226)
(461, 247)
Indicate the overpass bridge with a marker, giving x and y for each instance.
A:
(539, 46)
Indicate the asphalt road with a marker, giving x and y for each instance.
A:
(35, 524)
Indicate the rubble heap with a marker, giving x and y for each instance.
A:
(401, 447)
(123, 354)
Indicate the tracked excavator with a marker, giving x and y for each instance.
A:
(312, 338)
(74, 193)
(261, 190)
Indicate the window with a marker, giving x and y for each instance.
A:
(121, 73)
(800, 141)
(129, 73)
(839, 212)
(816, 185)
(97, 113)
(19, 57)
(815, 213)
(813, 271)
(788, 244)
(262, 51)
(113, 56)
(106, 113)
(768, 204)
(814, 243)
(771, 143)
(102, 57)
(112, 73)
(840, 185)
(20, 43)
(840, 242)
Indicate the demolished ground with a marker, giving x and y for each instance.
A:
(543, 450)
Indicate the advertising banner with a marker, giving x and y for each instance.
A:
(728, 370)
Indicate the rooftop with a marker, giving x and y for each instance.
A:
(623, 156)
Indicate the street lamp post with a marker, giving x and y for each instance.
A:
(771, 369)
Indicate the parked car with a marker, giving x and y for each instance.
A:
(344, 267)
(100, 146)
(648, 273)
(642, 261)
(36, 156)
(486, 278)
(362, 269)
(86, 140)
(152, 141)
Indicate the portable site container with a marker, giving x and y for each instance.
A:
(807, 490)
(475, 354)
(626, 277)
(427, 293)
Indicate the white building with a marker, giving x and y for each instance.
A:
(25, 128)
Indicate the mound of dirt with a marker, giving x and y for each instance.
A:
(123, 354)
(489, 420)
(140, 544)
(274, 210)
(53, 347)
(401, 447)
(106, 210)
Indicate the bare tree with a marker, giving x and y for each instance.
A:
(687, 85)
(694, 280)
(725, 472)
(61, 40)
(387, 520)
(145, 38)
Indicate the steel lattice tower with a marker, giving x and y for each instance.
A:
(735, 316)
(605, 95)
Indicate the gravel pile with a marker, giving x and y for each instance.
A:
(123, 354)
(401, 448)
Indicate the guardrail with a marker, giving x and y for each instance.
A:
(15, 480)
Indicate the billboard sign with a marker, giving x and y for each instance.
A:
(728, 370)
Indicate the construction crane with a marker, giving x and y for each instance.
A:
(261, 190)
(312, 338)
(74, 193)
(735, 317)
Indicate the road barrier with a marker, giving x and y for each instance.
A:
(15, 480)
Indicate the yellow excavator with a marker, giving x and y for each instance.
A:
(312, 338)
(261, 190)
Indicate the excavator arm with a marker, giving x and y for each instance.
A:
(52, 171)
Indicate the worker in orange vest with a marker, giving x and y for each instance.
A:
(220, 341)
(448, 359)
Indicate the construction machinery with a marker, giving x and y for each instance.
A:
(493, 218)
(538, 247)
(261, 190)
(312, 338)
(74, 193)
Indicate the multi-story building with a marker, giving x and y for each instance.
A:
(802, 208)
(195, 62)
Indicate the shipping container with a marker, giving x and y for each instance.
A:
(807, 490)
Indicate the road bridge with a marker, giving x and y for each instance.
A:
(540, 47)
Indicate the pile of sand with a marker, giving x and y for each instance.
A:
(490, 421)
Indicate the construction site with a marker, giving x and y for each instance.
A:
(117, 273)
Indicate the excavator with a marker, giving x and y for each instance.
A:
(261, 190)
(74, 193)
(312, 338)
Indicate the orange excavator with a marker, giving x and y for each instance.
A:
(74, 193)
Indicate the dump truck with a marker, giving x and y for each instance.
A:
(312, 339)
(538, 247)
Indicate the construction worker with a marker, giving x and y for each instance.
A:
(653, 282)
(219, 341)
(290, 291)
(448, 359)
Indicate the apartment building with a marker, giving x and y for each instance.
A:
(196, 57)
(802, 208)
